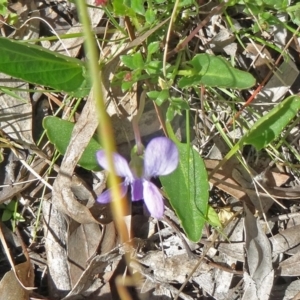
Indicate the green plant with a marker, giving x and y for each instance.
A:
(59, 133)
(38, 65)
(3, 7)
(162, 79)
(6, 15)
(266, 11)
(9, 212)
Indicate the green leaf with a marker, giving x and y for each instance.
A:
(254, 8)
(187, 188)
(277, 4)
(59, 133)
(134, 61)
(154, 67)
(7, 215)
(12, 19)
(232, 2)
(213, 218)
(18, 217)
(268, 128)
(38, 65)
(126, 85)
(215, 71)
(185, 3)
(162, 97)
(150, 15)
(153, 48)
(138, 6)
(294, 12)
(122, 9)
(3, 7)
(159, 96)
(153, 94)
(180, 103)
(170, 114)
(11, 205)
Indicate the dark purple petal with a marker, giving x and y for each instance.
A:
(161, 157)
(120, 163)
(105, 197)
(137, 190)
(153, 199)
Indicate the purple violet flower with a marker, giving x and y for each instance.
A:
(160, 158)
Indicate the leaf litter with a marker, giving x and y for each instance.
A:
(68, 247)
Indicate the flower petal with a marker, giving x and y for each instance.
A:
(161, 157)
(105, 197)
(120, 163)
(137, 190)
(153, 199)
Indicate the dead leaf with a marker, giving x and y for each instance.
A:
(290, 266)
(233, 244)
(63, 197)
(235, 250)
(55, 228)
(261, 201)
(223, 279)
(10, 287)
(12, 184)
(16, 113)
(9, 175)
(223, 180)
(74, 45)
(175, 269)
(26, 9)
(234, 180)
(261, 57)
(297, 297)
(224, 41)
(83, 242)
(259, 260)
(285, 240)
(17, 283)
(292, 291)
(16, 124)
(157, 289)
(278, 85)
(96, 266)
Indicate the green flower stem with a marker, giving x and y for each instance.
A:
(135, 124)
(105, 127)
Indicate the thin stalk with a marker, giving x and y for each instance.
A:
(105, 128)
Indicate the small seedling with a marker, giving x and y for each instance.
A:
(10, 213)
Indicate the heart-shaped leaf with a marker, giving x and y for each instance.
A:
(187, 188)
(38, 65)
(215, 71)
(269, 127)
(59, 133)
